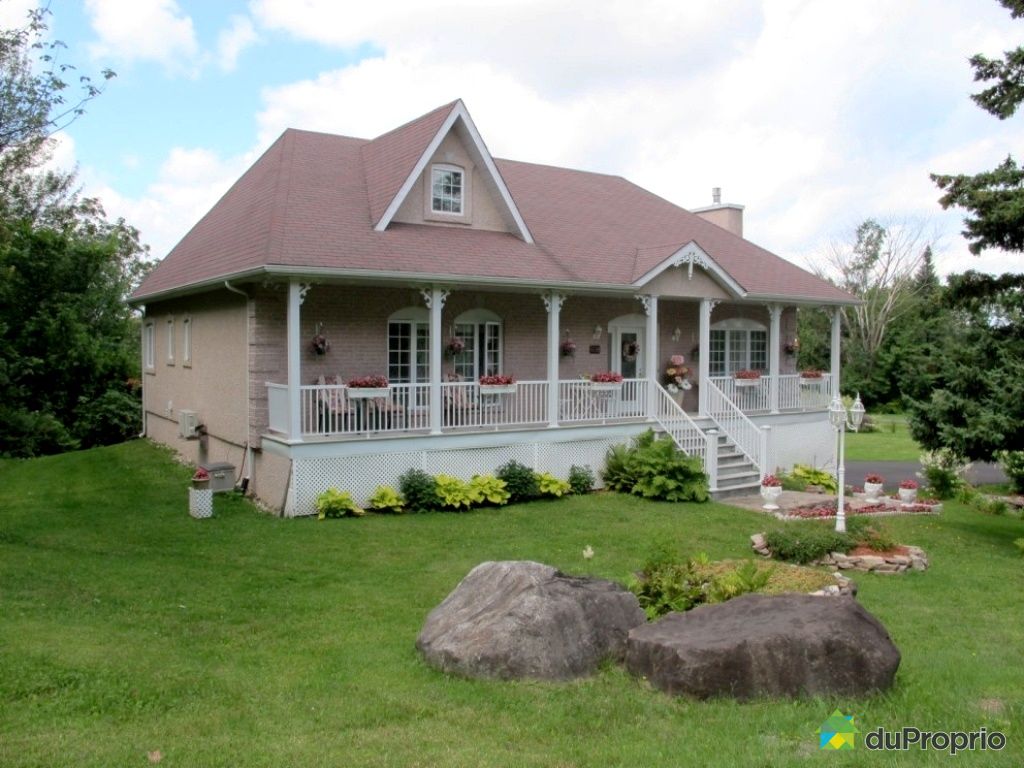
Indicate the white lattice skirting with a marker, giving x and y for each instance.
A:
(360, 475)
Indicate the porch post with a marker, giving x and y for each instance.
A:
(704, 364)
(553, 304)
(435, 299)
(296, 294)
(775, 313)
(651, 361)
(837, 331)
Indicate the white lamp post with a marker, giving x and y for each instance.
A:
(842, 421)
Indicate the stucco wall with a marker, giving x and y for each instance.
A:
(483, 213)
(214, 385)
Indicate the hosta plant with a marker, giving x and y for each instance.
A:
(335, 503)
(453, 493)
(489, 489)
(387, 499)
(550, 485)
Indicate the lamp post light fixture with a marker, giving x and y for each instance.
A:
(841, 421)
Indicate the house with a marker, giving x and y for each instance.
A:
(419, 257)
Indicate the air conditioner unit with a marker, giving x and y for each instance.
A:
(188, 424)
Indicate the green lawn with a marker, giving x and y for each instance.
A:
(892, 441)
(246, 640)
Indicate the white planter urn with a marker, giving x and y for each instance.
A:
(872, 490)
(770, 494)
(908, 495)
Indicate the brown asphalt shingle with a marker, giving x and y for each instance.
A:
(312, 199)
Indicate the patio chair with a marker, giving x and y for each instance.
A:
(336, 412)
(460, 407)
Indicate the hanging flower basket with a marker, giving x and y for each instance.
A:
(454, 346)
(568, 348)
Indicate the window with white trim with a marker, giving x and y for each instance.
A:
(149, 346)
(738, 344)
(409, 346)
(447, 184)
(481, 332)
(186, 342)
(170, 341)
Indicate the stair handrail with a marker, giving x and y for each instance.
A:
(750, 439)
(691, 439)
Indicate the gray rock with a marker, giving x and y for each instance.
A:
(759, 645)
(520, 619)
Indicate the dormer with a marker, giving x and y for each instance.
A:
(451, 181)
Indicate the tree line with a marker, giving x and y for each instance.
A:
(69, 344)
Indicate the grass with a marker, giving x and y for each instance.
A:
(246, 640)
(892, 441)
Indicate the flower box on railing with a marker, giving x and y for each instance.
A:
(747, 378)
(811, 377)
(497, 389)
(497, 384)
(368, 388)
(606, 382)
(368, 393)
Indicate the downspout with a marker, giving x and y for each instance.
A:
(142, 367)
(248, 458)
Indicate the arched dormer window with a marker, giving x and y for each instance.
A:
(481, 334)
(737, 344)
(409, 346)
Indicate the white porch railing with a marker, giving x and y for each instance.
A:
(796, 394)
(277, 404)
(748, 437)
(467, 404)
(690, 438)
(581, 401)
(747, 394)
(330, 409)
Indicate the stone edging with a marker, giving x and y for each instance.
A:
(915, 560)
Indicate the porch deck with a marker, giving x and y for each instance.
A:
(335, 412)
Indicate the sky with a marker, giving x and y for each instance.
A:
(813, 114)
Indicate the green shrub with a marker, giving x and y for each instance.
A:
(581, 479)
(811, 476)
(670, 583)
(747, 577)
(489, 489)
(520, 481)
(873, 534)
(549, 485)
(790, 482)
(386, 499)
(943, 471)
(419, 490)
(1012, 463)
(618, 474)
(805, 542)
(655, 469)
(453, 493)
(335, 503)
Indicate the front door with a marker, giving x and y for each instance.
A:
(627, 355)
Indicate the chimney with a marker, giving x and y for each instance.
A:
(725, 215)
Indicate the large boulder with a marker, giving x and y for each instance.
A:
(519, 619)
(759, 645)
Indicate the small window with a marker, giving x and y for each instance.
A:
(170, 341)
(446, 187)
(186, 341)
(148, 346)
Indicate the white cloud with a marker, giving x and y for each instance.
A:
(188, 184)
(14, 13)
(154, 30)
(233, 40)
(813, 114)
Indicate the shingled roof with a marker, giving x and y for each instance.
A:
(310, 203)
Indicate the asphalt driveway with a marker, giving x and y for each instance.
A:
(896, 471)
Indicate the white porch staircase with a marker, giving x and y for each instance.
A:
(731, 469)
(737, 474)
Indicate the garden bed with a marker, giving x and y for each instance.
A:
(826, 509)
(898, 559)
